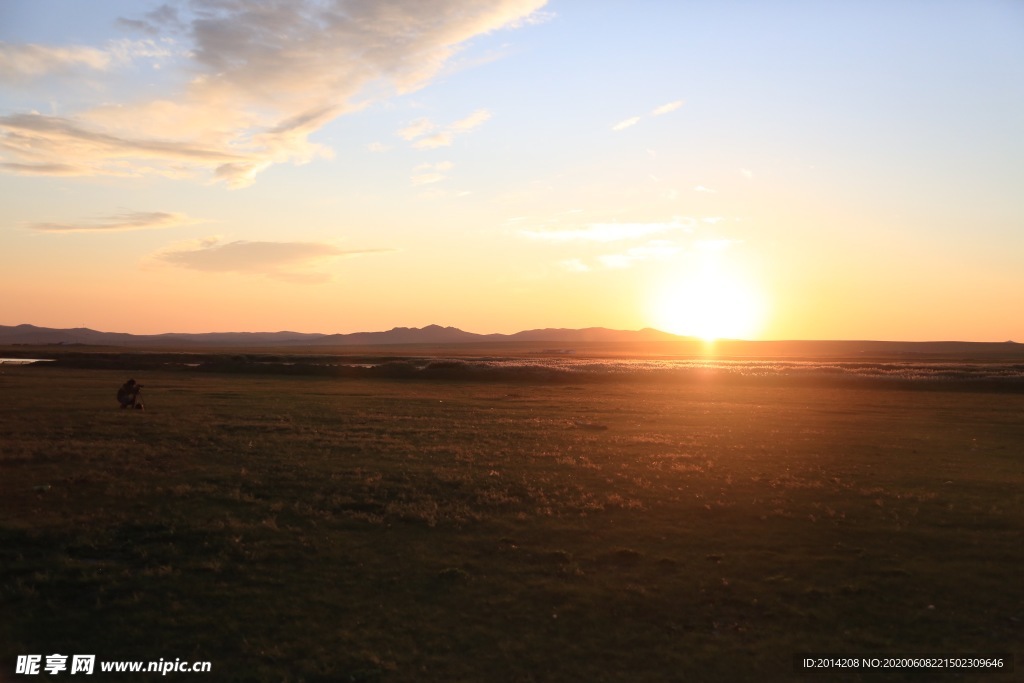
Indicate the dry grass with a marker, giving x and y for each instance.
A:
(315, 529)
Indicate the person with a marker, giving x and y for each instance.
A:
(128, 394)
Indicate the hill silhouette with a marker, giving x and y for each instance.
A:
(431, 334)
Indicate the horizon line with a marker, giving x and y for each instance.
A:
(679, 337)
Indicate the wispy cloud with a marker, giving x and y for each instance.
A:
(600, 245)
(701, 188)
(122, 222)
(425, 174)
(472, 121)
(258, 80)
(296, 261)
(657, 111)
(41, 143)
(44, 168)
(666, 108)
(442, 139)
(165, 17)
(623, 125)
(418, 130)
(29, 61)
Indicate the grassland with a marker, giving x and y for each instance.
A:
(325, 529)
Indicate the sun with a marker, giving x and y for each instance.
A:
(710, 303)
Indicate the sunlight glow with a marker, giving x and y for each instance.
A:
(711, 303)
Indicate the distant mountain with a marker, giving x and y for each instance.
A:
(593, 334)
(30, 334)
(563, 339)
(431, 334)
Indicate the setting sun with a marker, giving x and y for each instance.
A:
(710, 303)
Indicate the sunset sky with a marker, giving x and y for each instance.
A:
(773, 170)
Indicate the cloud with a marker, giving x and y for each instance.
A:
(122, 222)
(295, 261)
(659, 250)
(257, 80)
(621, 245)
(442, 139)
(616, 261)
(747, 173)
(701, 188)
(445, 137)
(130, 51)
(425, 174)
(162, 18)
(608, 232)
(43, 169)
(622, 125)
(416, 129)
(40, 143)
(657, 111)
(25, 62)
(471, 121)
(666, 108)
(30, 61)
(575, 265)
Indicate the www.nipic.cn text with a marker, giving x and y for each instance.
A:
(87, 664)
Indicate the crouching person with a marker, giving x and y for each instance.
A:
(128, 395)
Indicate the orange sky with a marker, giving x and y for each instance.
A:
(718, 169)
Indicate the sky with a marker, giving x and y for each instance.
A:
(764, 170)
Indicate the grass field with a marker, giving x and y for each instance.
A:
(317, 529)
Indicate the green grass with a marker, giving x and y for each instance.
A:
(318, 529)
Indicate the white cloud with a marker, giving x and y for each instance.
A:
(122, 222)
(295, 261)
(701, 188)
(747, 173)
(445, 137)
(666, 108)
(259, 79)
(416, 129)
(594, 245)
(622, 125)
(442, 139)
(471, 121)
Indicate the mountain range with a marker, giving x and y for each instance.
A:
(431, 334)
(561, 340)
